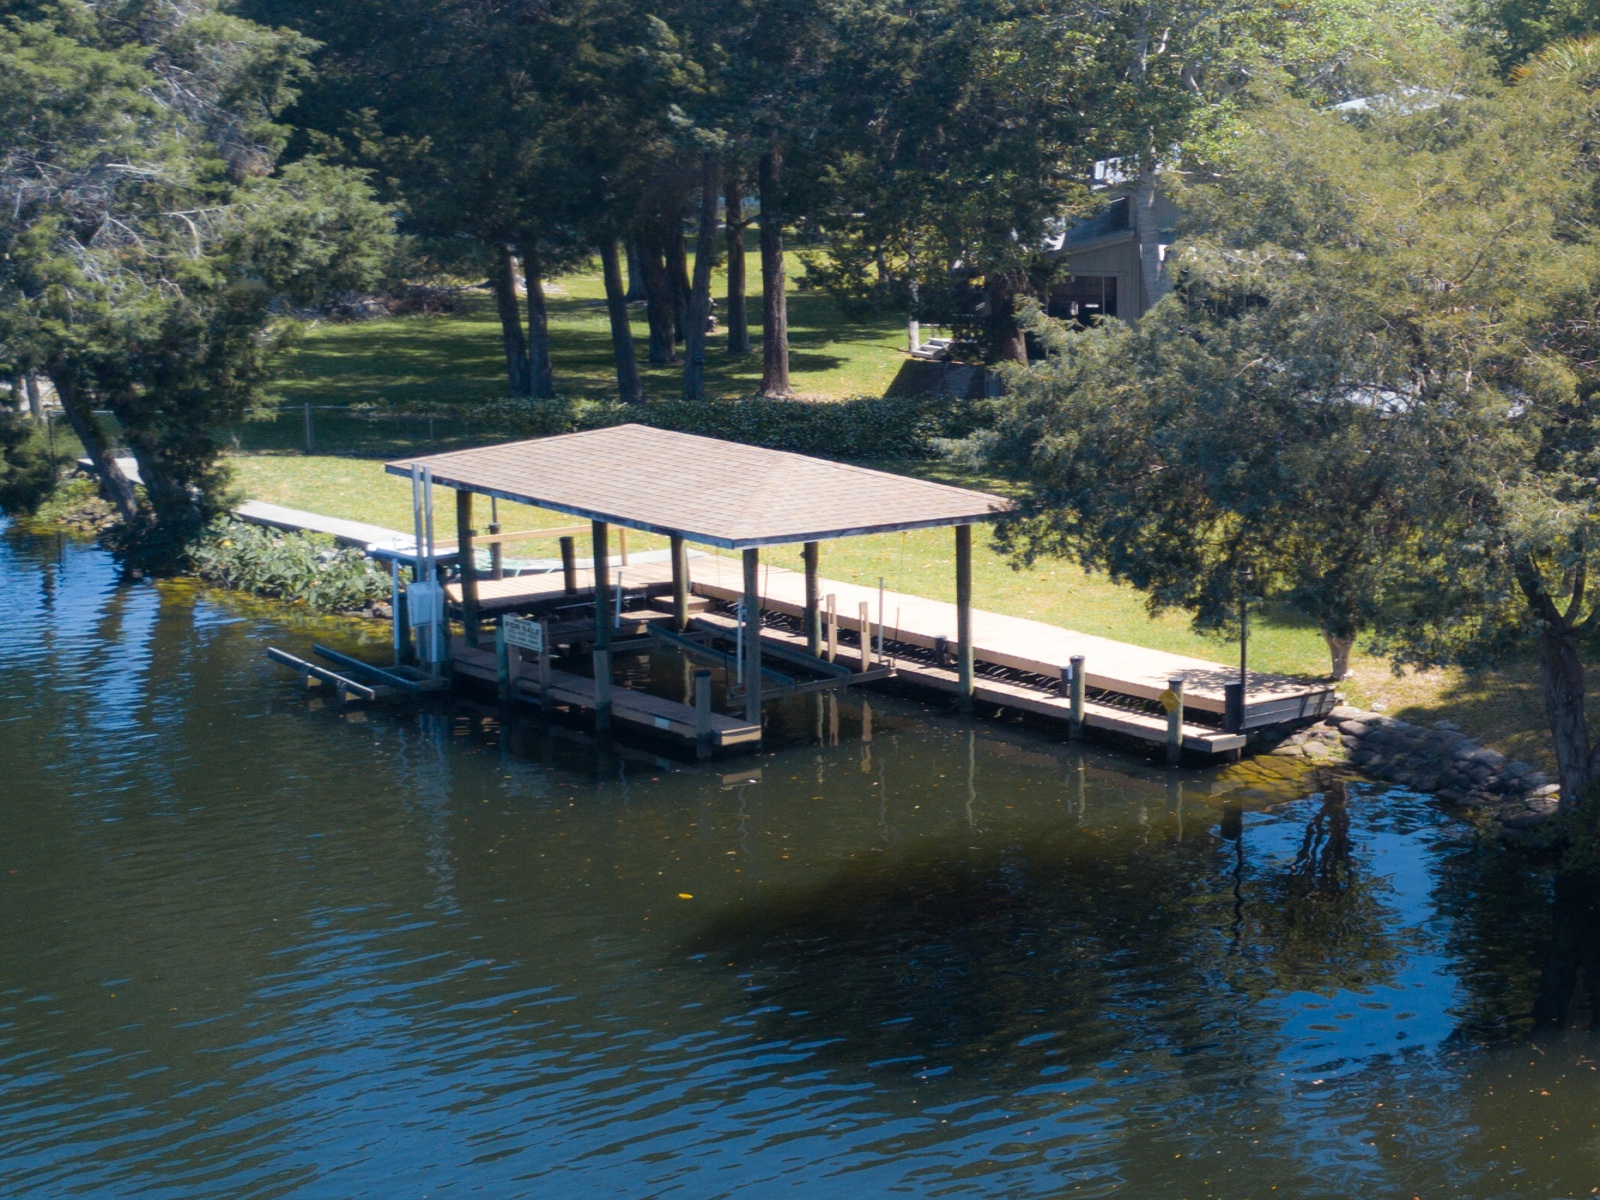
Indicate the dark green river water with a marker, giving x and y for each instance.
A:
(252, 947)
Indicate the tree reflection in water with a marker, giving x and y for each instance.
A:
(1000, 961)
(1570, 980)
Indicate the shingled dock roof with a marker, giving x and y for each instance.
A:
(705, 490)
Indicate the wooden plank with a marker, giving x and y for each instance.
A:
(645, 710)
(529, 535)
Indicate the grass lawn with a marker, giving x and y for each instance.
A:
(460, 357)
(1502, 706)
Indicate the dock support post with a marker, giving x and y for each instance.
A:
(833, 626)
(502, 661)
(865, 615)
(680, 584)
(546, 700)
(752, 635)
(1175, 721)
(1078, 688)
(602, 628)
(397, 613)
(1233, 707)
(964, 617)
(468, 563)
(622, 544)
(810, 553)
(702, 713)
(569, 565)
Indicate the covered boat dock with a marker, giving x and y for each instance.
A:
(739, 500)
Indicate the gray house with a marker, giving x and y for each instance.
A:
(1105, 256)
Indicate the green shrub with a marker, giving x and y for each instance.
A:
(309, 569)
(867, 427)
(28, 471)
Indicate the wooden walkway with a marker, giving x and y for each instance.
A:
(1031, 647)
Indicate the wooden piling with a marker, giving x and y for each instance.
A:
(1174, 706)
(833, 626)
(964, 617)
(546, 700)
(810, 553)
(680, 584)
(752, 636)
(622, 544)
(702, 713)
(468, 565)
(1079, 687)
(865, 616)
(1233, 707)
(497, 553)
(502, 661)
(602, 627)
(569, 565)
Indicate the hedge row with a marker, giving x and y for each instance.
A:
(864, 428)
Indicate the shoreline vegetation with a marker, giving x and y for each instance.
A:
(400, 369)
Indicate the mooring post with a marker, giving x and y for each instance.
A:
(702, 713)
(397, 613)
(1233, 707)
(1173, 702)
(622, 544)
(833, 626)
(809, 554)
(1079, 688)
(964, 617)
(865, 617)
(752, 635)
(569, 566)
(468, 564)
(602, 628)
(680, 584)
(497, 553)
(546, 701)
(502, 661)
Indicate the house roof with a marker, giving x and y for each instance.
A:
(708, 491)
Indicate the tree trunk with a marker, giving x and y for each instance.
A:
(678, 279)
(1561, 672)
(505, 300)
(1007, 343)
(30, 381)
(1339, 649)
(629, 386)
(658, 302)
(774, 303)
(635, 271)
(733, 219)
(1152, 282)
(118, 488)
(705, 248)
(541, 374)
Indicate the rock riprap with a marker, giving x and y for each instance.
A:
(1437, 759)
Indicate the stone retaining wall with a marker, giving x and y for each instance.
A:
(1440, 759)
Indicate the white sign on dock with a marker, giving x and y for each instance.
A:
(529, 635)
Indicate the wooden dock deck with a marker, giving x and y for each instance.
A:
(1029, 647)
(640, 709)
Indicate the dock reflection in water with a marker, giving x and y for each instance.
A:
(251, 948)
